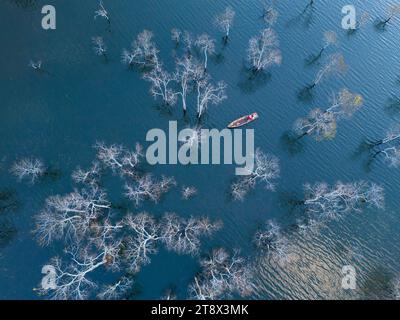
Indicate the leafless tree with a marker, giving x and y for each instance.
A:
(119, 159)
(28, 168)
(388, 147)
(143, 51)
(335, 65)
(188, 70)
(188, 41)
(270, 14)
(183, 235)
(72, 279)
(142, 241)
(90, 176)
(323, 123)
(225, 21)
(266, 169)
(117, 290)
(161, 82)
(207, 45)
(102, 12)
(330, 38)
(208, 93)
(176, 36)
(36, 65)
(272, 240)
(72, 216)
(99, 47)
(147, 188)
(188, 192)
(392, 11)
(324, 202)
(364, 18)
(222, 276)
(263, 50)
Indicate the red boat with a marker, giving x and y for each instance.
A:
(243, 120)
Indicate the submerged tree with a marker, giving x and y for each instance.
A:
(392, 12)
(36, 65)
(330, 38)
(208, 93)
(147, 188)
(102, 12)
(161, 82)
(272, 240)
(183, 235)
(335, 65)
(188, 70)
(176, 36)
(225, 21)
(28, 169)
(188, 192)
(266, 169)
(388, 147)
(222, 276)
(143, 51)
(263, 50)
(90, 176)
(72, 216)
(323, 123)
(270, 15)
(324, 202)
(119, 159)
(99, 47)
(206, 45)
(362, 21)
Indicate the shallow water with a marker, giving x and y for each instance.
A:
(59, 116)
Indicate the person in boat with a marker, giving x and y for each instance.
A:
(250, 117)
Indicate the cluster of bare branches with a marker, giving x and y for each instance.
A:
(99, 47)
(323, 202)
(222, 276)
(28, 169)
(392, 11)
(266, 169)
(102, 12)
(263, 50)
(225, 21)
(388, 147)
(322, 124)
(272, 240)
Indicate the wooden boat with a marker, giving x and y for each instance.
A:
(243, 120)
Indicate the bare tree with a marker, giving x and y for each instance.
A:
(90, 176)
(208, 93)
(183, 235)
(72, 279)
(330, 38)
(188, 192)
(272, 240)
(263, 50)
(266, 169)
(143, 51)
(28, 168)
(36, 65)
(364, 18)
(72, 216)
(119, 159)
(324, 202)
(225, 21)
(222, 276)
(270, 15)
(142, 242)
(392, 11)
(323, 123)
(176, 36)
(117, 290)
(207, 45)
(388, 147)
(188, 41)
(146, 188)
(188, 70)
(161, 82)
(102, 12)
(99, 47)
(335, 65)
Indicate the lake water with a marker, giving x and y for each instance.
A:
(58, 118)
